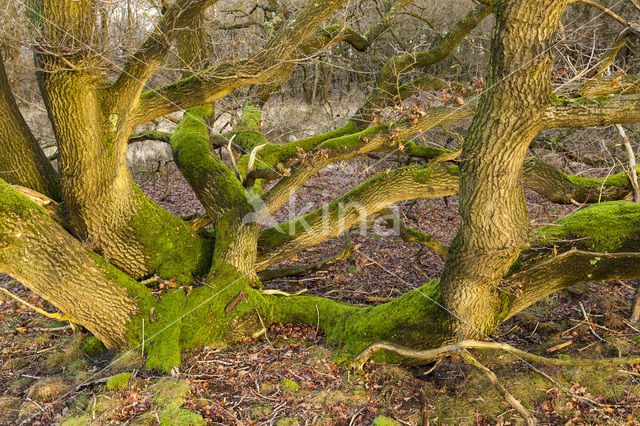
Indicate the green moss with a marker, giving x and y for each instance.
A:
(413, 319)
(119, 381)
(183, 322)
(92, 346)
(605, 227)
(602, 99)
(619, 179)
(170, 395)
(14, 204)
(385, 421)
(173, 248)
(288, 384)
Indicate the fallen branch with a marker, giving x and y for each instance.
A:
(411, 235)
(291, 271)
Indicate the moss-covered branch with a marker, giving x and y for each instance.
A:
(39, 253)
(215, 185)
(559, 187)
(376, 138)
(278, 243)
(290, 271)
(600, 242)
(592, 111)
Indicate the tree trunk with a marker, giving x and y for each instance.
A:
(494, 226)
(23, 162)
(103, 206)
(44, 257)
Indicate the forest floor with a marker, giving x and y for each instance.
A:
(51, 375)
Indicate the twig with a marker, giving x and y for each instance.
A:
(586, 318)
(632, 163)
(264, 327)
(231, 306)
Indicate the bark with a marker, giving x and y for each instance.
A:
(285, 240)
(375, 138)
(103, 206)
(39, 253)
(492, 205)
(23, 162)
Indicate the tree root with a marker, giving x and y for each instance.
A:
(460, 349)
(437, 353)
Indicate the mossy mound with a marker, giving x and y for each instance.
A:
(119, 381)
(605, 227)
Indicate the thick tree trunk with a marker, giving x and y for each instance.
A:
(494, 215)
(103, 206)
(40, 254)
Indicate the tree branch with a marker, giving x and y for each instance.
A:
(149, 56)
(288, 271)
(376, 138)
(220, 80)
(589, 112)
(387, 87)
(279, 242)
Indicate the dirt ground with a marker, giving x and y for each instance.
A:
(50, 374)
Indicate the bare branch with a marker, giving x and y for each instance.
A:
(220, 80)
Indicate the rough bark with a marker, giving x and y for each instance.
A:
(103, 206)
(39, 253)
(492, 205)
(23, 162)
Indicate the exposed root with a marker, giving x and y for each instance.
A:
(283, 293)
(437, 353)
